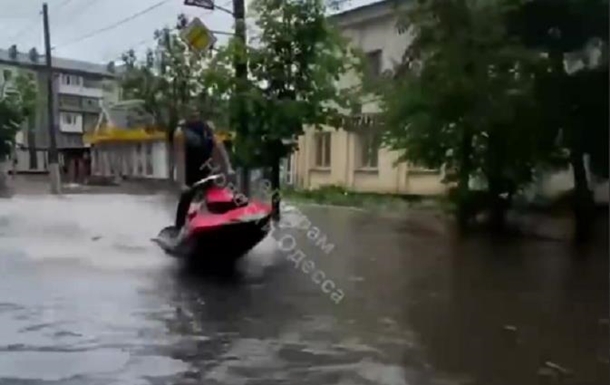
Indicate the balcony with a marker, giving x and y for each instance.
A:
(85, 91)
(81, 104)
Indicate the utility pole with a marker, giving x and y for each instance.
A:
(52, 151)
(241, 73)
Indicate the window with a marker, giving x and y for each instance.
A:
(415, 169)
(369, 149)
(373, 63)
(90, 121)
(323, 141)
(70, 118)
(91, 103)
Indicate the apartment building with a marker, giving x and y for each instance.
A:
(79, 89)
(352, 156)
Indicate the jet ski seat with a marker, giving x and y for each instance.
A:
(220, 200)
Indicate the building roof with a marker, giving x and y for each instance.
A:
(365, 8)
(365, 13)
(23, 59)
(126, 115)
(122, 122)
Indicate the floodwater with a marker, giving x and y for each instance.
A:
(87, 298)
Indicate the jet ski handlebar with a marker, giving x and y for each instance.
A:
(206, 180)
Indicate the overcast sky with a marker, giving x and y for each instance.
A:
(21, 24)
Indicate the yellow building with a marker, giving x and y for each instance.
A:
(352, 157)
(125, 143)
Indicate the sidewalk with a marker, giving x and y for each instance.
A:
(39, 185)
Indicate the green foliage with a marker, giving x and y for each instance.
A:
(28, 95)
(294, 62)
(461, 97)
(173, 82)
(15, 109)
(573, 107)
(11, 117)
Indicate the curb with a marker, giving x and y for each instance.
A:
(324, 205)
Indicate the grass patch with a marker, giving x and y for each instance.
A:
(339, 196)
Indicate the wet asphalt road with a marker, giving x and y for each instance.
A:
(87, 298)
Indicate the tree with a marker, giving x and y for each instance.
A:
(171, 82)
(15, 108)
(573, 106)
(461, 99)
(11, 117)
(28, 96)
(294, 64)
(28, 101)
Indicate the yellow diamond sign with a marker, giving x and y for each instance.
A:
(197, 36)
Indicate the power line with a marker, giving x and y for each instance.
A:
(133, 46)
(27, 30)
(154, 39)
(63, 3)
(86, 6)
(114, 25)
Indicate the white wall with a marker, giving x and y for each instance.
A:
(369, 33)
(126, 158)
(23, 161)
(160, 160)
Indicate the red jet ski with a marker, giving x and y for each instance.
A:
(218, 225)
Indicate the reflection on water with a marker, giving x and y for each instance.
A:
(86, 298)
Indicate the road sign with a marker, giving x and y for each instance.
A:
(198, 36)
(207, 4)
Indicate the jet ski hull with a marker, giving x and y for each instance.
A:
(231, 241)
(220, 244)
(219, 228)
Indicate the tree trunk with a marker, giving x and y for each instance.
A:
(463, 206)
(498, 205)
(275, 188)
(583, 204)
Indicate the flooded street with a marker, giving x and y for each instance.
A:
(87, 298)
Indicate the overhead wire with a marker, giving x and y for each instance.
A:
(133, 46)
(63, 3)
(27, 30)
(114, 25)
(217, 32)
(83, 8)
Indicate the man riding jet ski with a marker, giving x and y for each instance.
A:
(210, 220)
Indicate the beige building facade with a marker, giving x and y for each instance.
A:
(354, 158)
